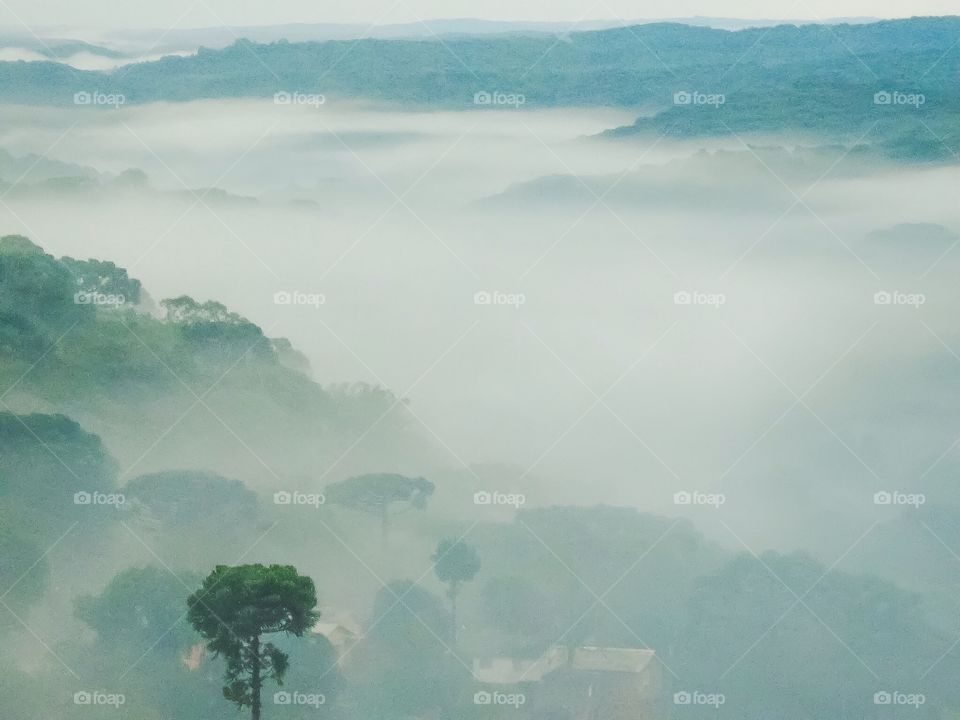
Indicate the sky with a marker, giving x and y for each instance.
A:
(206, 13)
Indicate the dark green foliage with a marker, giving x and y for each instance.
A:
(406, 666)
(455, 563)
(235, 607)
(191, 500)
(44, 461)
(140, 609)
(749, 634)
(105, 277)
(809, 78)
(36, 300)
(376, 493)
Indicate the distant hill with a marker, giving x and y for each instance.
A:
(195, 385)
(840, 79)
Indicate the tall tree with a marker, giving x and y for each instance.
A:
(235, 606)
(376, 493)
(455, 563)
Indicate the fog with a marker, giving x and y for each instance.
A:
(590, 384)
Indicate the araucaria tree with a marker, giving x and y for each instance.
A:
(235, 607)
(376, 493)
(455, 563)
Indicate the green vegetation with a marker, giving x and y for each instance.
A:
(455, 563)
(235, 607)
(809, 79)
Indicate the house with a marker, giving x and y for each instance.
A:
(339, 628)
(585, 683)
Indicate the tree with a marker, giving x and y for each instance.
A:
(403, 670)
(135, 608)
(235, 606)
(375, 494)
(196, 516)
(455, 563)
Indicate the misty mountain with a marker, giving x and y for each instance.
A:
(76, 337)
(845, 80)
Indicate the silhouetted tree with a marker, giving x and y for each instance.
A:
(455, 563)
(376, 493)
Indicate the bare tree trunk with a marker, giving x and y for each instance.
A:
(255, 680)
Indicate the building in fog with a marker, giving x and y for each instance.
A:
(586, 683)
